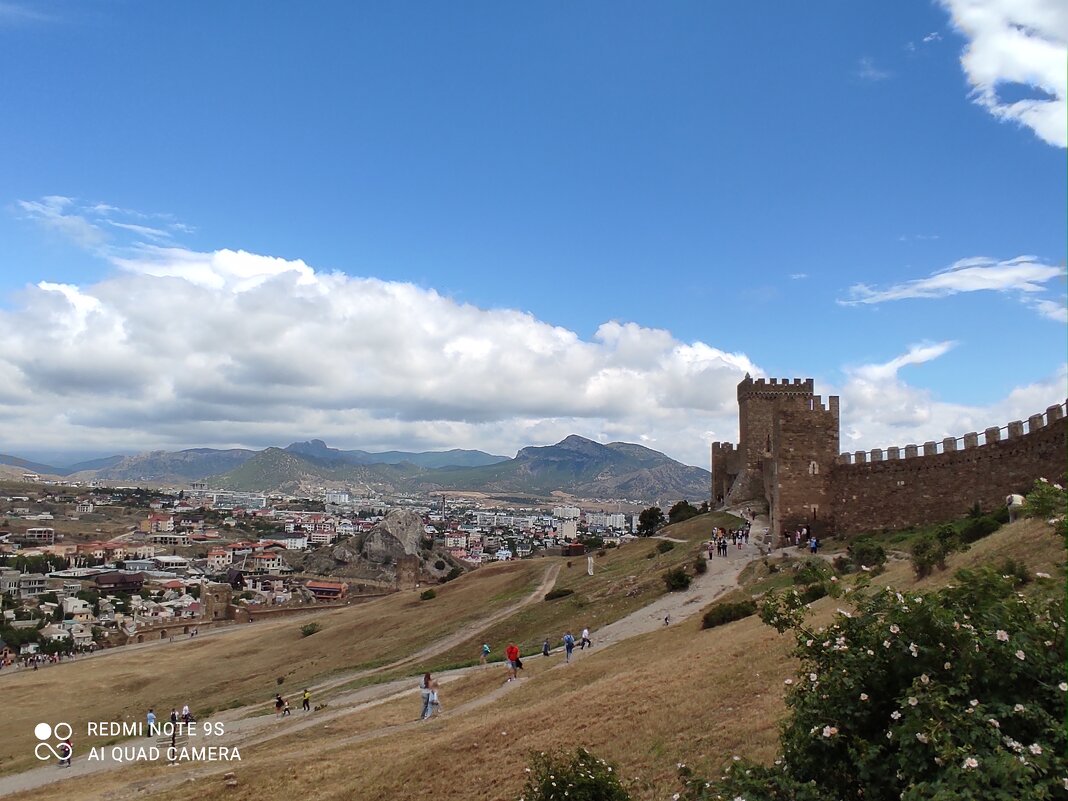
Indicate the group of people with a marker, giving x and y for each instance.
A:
(35, 661)
(802, 537)
(723, 538)
(281, 705)
(513, 660)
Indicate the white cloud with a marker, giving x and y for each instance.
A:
(1054, 310)
(867, 70)
(880, 409)
(90, 225)
(916, 354)
(1022, 43)
(181, 348)
(155, 234)
(15, 13)
(1025, 275)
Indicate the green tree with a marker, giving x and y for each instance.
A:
(683, 510)
(650, 520)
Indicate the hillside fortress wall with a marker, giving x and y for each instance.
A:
(788, 458)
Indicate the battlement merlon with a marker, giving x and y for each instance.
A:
(775, 386)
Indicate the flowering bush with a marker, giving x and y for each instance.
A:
(1045, 500)
(578, 777)
(954, 695)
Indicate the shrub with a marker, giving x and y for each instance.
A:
(843, 564)
(664, 546)
(308, 629)
(1015, 571)
(677, 579)
(455, 573)
(427, 595)
(979, 527)
(723, 613)
(811, 571)
(558, 592)
(955, 694)
(930, 550)
(700, 565)
(581, 777)
(813, 592)
(1045, 500)
(868, 553)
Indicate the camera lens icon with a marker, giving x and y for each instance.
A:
(44, 732)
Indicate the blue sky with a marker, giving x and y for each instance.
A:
(728, 174)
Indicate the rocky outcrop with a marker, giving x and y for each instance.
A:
(376, 555)
(398, 534)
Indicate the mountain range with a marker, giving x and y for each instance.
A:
(575, 466)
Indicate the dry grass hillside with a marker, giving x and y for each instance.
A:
(678, 694)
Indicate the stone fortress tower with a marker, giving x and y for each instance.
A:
(788, 442)
(787, 460)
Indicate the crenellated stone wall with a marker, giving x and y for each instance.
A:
(875, 491)
(787, 456)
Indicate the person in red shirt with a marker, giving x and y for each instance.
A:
(511, 653)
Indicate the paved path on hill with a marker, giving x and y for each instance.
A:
(248, 731)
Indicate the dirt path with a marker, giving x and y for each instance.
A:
(244, 732)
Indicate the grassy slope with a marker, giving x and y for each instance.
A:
(240, 668)
(675, 695)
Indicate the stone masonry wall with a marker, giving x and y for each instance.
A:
(799, 481)
(759, 401)
(900, 492)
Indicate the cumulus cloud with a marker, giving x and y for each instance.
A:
(1024, 275)
(1018, 43)
(881, 409)
(180, 348)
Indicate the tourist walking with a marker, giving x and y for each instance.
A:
(585, 640)
(511, 653)
(569, 646)
(66, 749)
(305, 700)
(428, 692)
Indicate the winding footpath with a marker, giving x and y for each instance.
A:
(243, 732)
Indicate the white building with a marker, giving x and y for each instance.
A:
(567, 530)
(218, 560)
